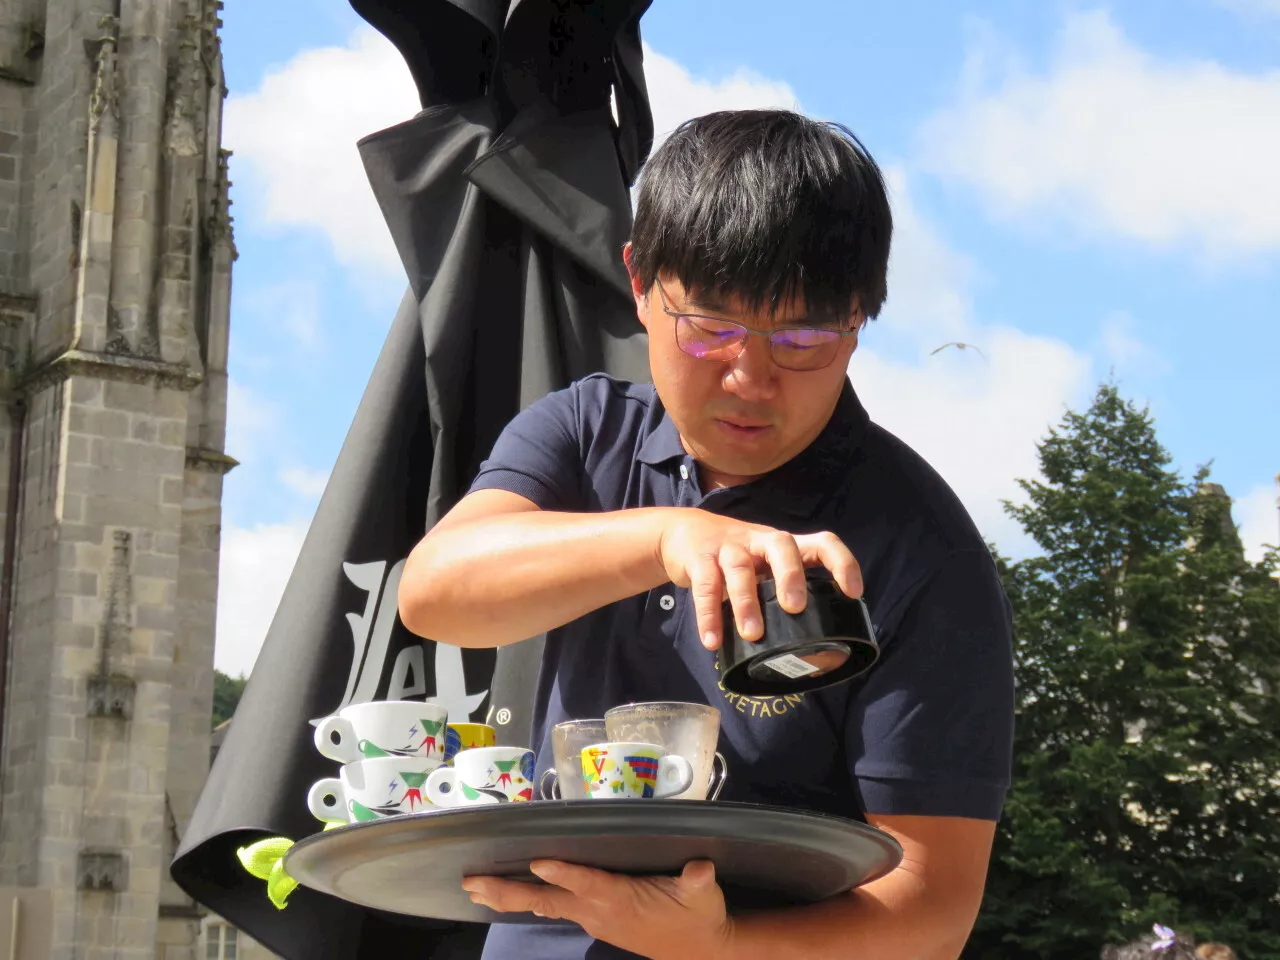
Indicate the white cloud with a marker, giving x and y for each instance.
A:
(253, 570)
(305, 482)
(1111, 139)
(974, 416)
(290, 306)
(1125, 353)
(675, 95)
(299, 129)
(1256, 515)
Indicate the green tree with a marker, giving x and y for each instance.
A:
(1147, 764)
(226, 695)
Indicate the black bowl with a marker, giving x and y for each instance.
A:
(829, 642)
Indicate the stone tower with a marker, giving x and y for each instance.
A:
(115, 280)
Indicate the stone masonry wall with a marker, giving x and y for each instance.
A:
(115, 258)
(13, 114)
(61, 106)
(31, 737)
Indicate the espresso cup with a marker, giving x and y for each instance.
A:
(689, 729)
(483, 775)
(628, 770)
(383, 728)
(372, 789)
(467, 736)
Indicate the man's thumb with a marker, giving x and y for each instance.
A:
(699, 874)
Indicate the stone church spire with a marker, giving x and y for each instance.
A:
(116, 250)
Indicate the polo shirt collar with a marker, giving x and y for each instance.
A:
(663, 443)
(803, 482)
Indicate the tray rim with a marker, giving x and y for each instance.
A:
(389, 831)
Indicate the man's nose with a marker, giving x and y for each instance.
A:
(752, 374)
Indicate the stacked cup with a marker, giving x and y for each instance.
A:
(387, 749)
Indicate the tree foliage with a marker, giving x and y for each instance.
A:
(226, 696)
(1147, 759)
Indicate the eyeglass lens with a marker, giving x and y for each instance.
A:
(796, 348)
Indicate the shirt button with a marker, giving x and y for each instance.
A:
(684, 471)
(667, 602)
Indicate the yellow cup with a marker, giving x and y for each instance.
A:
(467, 736)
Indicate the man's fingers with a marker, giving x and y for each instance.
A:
(828, 550)
(740, 581)
(515, 896)
(707, 588)
(785, 560)
(584, 882)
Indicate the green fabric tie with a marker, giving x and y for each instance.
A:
(265, 860)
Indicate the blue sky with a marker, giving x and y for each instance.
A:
(1081, 191)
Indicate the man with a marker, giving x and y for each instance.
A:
(618, 516)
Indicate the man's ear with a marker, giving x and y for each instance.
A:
(637, 291)
(859, 325)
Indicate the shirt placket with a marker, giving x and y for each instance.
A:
(661, 607)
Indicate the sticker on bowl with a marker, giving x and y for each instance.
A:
(791, 666)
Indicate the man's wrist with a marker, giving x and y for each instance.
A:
(724, 945)
(718, 943)
(658, 524)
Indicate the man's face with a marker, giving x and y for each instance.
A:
(739, 418)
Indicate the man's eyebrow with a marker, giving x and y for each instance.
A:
(707, 302)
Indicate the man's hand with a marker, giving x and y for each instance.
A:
(655, 917)
(715, 556)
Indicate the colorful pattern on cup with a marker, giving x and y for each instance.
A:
(552, 786)
(372, 789)
(633, 771)
(467, 736)
(483, 775)
(383, 728)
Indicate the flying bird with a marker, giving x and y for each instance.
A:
(961, 346)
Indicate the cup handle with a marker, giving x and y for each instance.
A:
(442, 787)
(552, 792)
(344, 749)
(719, 771)
(328, 788)
(675, 775)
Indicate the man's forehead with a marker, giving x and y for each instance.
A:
(726, 303)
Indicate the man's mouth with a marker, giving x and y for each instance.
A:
(742, 428)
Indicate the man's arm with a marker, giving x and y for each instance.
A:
(497, 569)
(923, 910)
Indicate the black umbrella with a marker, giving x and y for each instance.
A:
(507, 198)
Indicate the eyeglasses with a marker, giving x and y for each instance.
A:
(715, 338)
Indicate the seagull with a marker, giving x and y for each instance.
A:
(961, 346)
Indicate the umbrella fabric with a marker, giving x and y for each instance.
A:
(507, 198)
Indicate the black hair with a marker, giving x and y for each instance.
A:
(765, 205)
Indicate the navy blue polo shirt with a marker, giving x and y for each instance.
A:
(927, 731)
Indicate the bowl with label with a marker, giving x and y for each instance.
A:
(830, 641)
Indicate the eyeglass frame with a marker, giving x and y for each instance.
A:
(677, 316)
